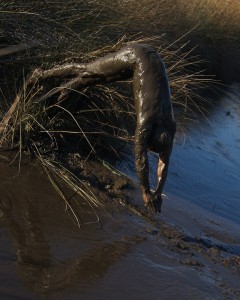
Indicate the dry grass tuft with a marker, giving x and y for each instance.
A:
(79, 31)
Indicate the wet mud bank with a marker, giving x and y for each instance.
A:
(120, 250)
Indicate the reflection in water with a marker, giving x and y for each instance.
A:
(37, 265)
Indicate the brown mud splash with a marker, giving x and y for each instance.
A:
(127, 254)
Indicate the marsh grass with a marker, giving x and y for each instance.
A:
(61, 179)
(95, 119)
(78, 27)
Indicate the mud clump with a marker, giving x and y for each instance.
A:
(191, 262)
(94, 172)
(232, 262)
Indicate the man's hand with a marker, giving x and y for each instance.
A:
(147, 197)
(157, 202)
(153, 202)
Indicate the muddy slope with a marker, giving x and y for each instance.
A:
(126, 255)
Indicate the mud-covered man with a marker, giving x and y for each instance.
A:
(155, 127)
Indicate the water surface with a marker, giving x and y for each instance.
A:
(205, 162)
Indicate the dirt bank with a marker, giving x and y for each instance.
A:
(119, 253)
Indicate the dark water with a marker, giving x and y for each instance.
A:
(205, 167)
(205, 161)
(44, 255)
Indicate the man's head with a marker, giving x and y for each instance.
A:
(160, 139)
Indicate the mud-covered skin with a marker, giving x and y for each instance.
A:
(155, 122)
(155, 127)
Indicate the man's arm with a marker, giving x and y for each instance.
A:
(141, 161)
(163, 164)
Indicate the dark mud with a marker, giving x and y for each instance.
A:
(190, 251)
(128, 254)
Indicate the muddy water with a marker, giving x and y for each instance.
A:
(191, 251)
